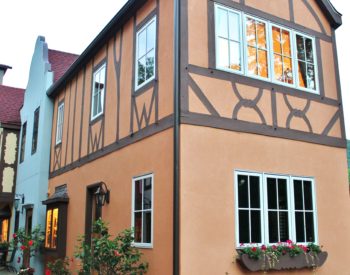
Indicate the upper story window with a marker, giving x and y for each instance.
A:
(59, 124)
(142, 205)
(98, 91)
(145, 53)
(23, 142)
(261, 49)
(35, 130)
(274, 208)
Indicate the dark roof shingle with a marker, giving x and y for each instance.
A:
(11, 101)
(60, 62)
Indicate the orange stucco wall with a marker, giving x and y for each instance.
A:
(209, 158)
(151, 155)
(77, 92)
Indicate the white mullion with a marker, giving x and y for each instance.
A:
(278, 211)
(249, 212)
(228, 38)
(304, 213)
(142, 210)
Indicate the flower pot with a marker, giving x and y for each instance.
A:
(308, 260)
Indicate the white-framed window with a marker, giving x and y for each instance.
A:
(142, 210)
(261, 49)
(59, 123)
(274, 208)
(145, 65)
(98, 91)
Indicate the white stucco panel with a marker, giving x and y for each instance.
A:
(10, 148)
(1, 134)
(8, 179)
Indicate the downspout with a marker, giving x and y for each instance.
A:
(176, 210)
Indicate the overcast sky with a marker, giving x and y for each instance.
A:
(70, 25)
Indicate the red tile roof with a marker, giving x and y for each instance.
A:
(11, 101)
(60, 62)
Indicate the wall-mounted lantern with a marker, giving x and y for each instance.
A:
(102, 195)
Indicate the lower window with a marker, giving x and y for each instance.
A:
(142, 205)
(51, 228)
(274, 208)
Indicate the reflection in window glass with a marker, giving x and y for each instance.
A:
(59, 126)
(145, 53)
(228, 39)
(306, 66)
(51, 232)
(142, 207)
(4, 230)
(257, 47)
(98, 92)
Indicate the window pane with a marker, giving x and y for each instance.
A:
(255, 227)
(263, 66)
(261, 32)
(222, 29)
(278, 67)
(282, 194)
(302, 74)
(150, 64)
(310, 232)
(147, 197)
(286, 43)
(271, 193)
(284, 230)
(151, 35)
(299, 226)
(243, 191)
(252, 62)
(309, 50)
(138, 195)
(298, 195)
(222, 53)
(141, 44)
(234, 26)
(141, 70)
(138, 226)
(273, 227)
(254, 192)
(243, 226)
(48, 228)
(276, 37)
(300, 47)
(311, 77)
(147, 227)
(235, 56)
(288, 70)
(251, 32)
(308, 195)
(54, 228)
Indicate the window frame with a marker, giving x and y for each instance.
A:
(59, 124)
(52, 208)
(98, 69)
(23, 143)
(264, 216)
(134, 179)
(143, 28)
(35, 130)
(270, 53)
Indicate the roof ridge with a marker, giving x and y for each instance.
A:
(59, 51)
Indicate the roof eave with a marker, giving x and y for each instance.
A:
(332, 14)
(118, 20)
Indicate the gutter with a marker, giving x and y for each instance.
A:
(111, 28)
(177, 79)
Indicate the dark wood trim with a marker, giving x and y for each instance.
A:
(339, 90)
(89, 118)
(218, 74)
(331, 123)
(314, 14)
(67, 140)
(274, 19)
(75, 105)
(10, 126)
(90, 190)
(162, 125)
(291, 11)
(274, 109)
(255, 128)
(153, 13)
(145, 88)
(184, 56)
(133, 79)
(320, 67)
(2, 161)
(82, 112)
(211, 34)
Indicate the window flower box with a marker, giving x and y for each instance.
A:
(282, 256)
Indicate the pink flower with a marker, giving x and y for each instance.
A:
(116, 253)
(274, 247)
(14, 235)
(263, 247)
(23, 247)
(18, 260)
(289, 242)
(253, 249)
(31, 242)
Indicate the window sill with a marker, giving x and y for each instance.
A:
(284, 262)
(143, 245)
(145, 87)
(96, 118)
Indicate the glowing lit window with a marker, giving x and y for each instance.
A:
(51, 228)
(4, 230)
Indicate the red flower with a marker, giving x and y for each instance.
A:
(31, 242)
(289, 242)
(47, 272)
(72, 260)
(14, 235)
(263, 247)
(253, 249)
(116, 253)
(274, 247)
(23, 247)
(18, 260)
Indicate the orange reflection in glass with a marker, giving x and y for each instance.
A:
(5, 230)
(252, 62)
(48, 229)
(54, 228)
(263, 66)
(251, 32)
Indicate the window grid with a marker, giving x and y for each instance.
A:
(35, 130)
(98, 91)
(59, 127)
(291, 206)
(269, 45)
(23, 142)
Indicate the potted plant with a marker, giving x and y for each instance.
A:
(29, 245)
(283, 255)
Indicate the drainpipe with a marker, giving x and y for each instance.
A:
(176, 211)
